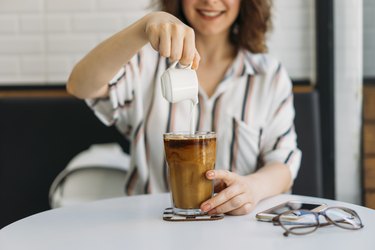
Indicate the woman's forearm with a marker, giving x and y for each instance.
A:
(272, 179)
(91, 75)
(166, 34)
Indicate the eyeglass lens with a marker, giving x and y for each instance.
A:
(299, 221)
(344, 218)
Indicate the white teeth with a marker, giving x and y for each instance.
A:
(211, 13)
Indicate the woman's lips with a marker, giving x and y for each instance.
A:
(210, 14)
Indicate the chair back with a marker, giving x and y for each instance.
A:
(38, 137)
(307, 123)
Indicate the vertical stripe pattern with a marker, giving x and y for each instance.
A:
(289, 157)
(233, 147)
(201, 112)
(279, 138)
(247, 99)
(251, 111)
(215, 113)
(134, 174)
(199, 109)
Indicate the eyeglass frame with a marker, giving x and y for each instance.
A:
(276, 220)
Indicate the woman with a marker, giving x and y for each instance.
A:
(245, 96)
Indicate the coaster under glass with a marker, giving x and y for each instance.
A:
(168, 215)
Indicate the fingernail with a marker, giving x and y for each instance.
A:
(210, 174)
(206, 207)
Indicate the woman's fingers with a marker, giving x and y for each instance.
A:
(244, 209)
(165, 41)
(227, 200)
(174, 40)
(189, 51)
(224, 175)
(219, 185)
(152, 32)
(177, 42)
(196, 60)
(233, 199)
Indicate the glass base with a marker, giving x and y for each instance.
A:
(192, 211)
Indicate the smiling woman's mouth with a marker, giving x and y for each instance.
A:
(210, 13)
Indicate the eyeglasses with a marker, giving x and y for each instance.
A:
(301, 222)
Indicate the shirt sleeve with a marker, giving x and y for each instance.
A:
(280, 138)
(118, 108)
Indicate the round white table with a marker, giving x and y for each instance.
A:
(136, 223)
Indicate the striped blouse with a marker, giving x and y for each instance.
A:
(251, 112)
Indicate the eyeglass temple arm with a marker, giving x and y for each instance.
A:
(289, 230)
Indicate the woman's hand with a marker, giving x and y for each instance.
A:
(172, 38)
(238, 194)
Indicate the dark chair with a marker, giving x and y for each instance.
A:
(307, 123)
(38, 137)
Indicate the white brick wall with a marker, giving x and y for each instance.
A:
(21, 44)
(41, 40)
(21, 6)
(69, 6)
(8, 24)
(293, 38)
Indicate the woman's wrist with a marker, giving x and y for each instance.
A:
(270, 180)
(136, 32)
(256, 185)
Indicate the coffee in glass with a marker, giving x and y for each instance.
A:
(189, 157)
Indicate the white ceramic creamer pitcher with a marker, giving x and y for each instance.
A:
(178, 84)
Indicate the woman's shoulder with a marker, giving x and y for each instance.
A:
(261, 63)
(270, 71)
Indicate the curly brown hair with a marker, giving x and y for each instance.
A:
(248, 31)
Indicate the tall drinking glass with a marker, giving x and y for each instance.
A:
(189, 157)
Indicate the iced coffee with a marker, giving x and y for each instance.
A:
(189, 157)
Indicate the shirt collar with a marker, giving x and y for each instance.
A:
(243, 64)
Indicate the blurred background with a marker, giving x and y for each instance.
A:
(327, 46)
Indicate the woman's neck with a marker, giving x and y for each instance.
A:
(214, 48)
(217, 54)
